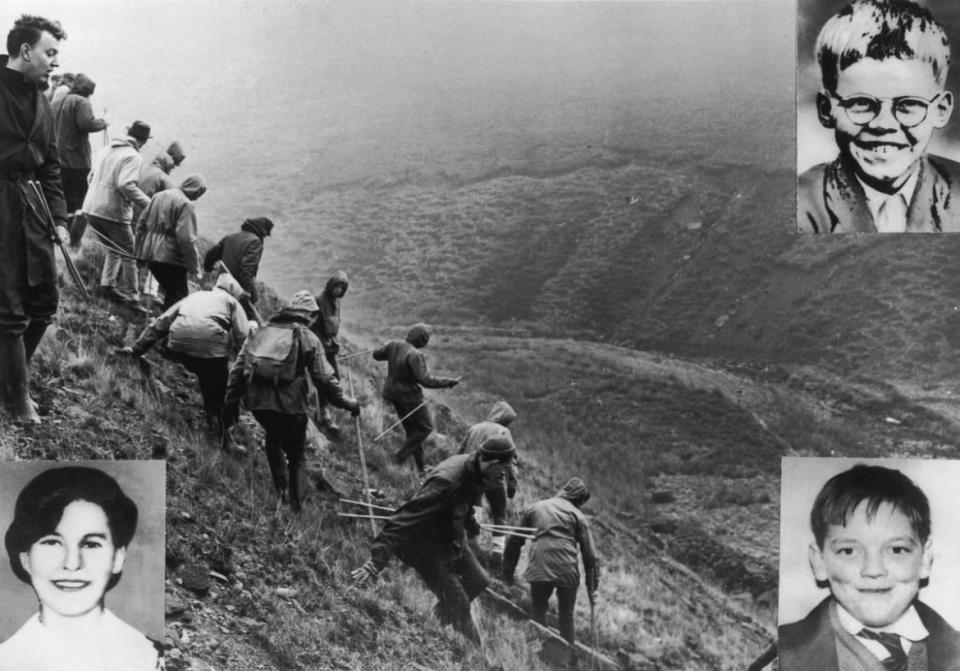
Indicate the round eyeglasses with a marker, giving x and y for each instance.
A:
(909, 111)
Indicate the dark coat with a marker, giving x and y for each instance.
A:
(810, 644)
(407, 371)
(438, 514)
(831, 200)
(27, 147)
(75, 121)
(240, 253)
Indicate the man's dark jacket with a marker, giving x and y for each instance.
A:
(28, 150)
(811, 644)
(240, 253)
(437, 515)
(407, 371)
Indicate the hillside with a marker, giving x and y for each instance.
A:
(682, 453)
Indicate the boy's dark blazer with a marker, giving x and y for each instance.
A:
(831, 200)
(810, 644)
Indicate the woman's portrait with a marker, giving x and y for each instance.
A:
(73, 535)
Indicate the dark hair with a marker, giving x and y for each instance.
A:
(42, 501)
(875, 485)
(28, 30)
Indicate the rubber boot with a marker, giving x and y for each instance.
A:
(15, 381)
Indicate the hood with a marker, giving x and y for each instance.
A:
(83, 85)
(339, 277)
(163, 161)
(260, 227)
(418, 335)
(175, 152)
(574, 491)
(502, 414)
(228, 283)
(193, 186)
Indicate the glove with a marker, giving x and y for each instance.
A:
(511, 492)
(365, 575)
(452, 383)
(230, 414)
(354, 408)
(63, 233)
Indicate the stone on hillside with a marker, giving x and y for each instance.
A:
(555, 652)
(196, 578)
(175, 604)
(664, 526)
(663, 497)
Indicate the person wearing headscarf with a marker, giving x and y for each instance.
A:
(407, 375)
(167, 238)
(561, 529)
(241, 253)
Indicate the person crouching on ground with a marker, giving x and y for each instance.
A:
(270, 374)
(560, 528)
(203, 330)
(429, 533)
(501, 416)
(407, 375)
(872, 547)
(167, 238)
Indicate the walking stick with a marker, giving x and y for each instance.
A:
(47, 217)
(593, 627)
(363, 460)
(399, 421)
(344, 357)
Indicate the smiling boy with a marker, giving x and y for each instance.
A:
(873, 549)
(884, 66)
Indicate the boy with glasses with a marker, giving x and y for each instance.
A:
(884, 67)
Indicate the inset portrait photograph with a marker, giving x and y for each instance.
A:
(83, 587)
(869, 565)
(877, 132)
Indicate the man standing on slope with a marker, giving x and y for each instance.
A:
(240, 253)
(407, 374)
(561, 527)
(28, 270)
(429, 533)
(501, 416)
(114, 189)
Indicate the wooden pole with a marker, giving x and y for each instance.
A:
(363, 459)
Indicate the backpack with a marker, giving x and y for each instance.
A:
(273, 355)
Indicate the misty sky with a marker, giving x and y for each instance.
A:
(302, 95)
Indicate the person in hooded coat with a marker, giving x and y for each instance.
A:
(203, 330)
(429, 533)
(28, 269)
(75, 121)
(560, 529)
(407, 375)
(167, 238)
(114, 189)
(327, 329)
(281, 408)
(240, 253)
(501, 416)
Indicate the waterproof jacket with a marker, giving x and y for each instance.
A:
(407, 371)
(154, 178)
(560, 528)
(28, 150)
(240, 253)
(818, 641)
(74, 118)
(437, 515)
(327, 326)
(292, 398)
(831, 200)
(205, 324)
(167, 231)
(500, 417)
(114, 182)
